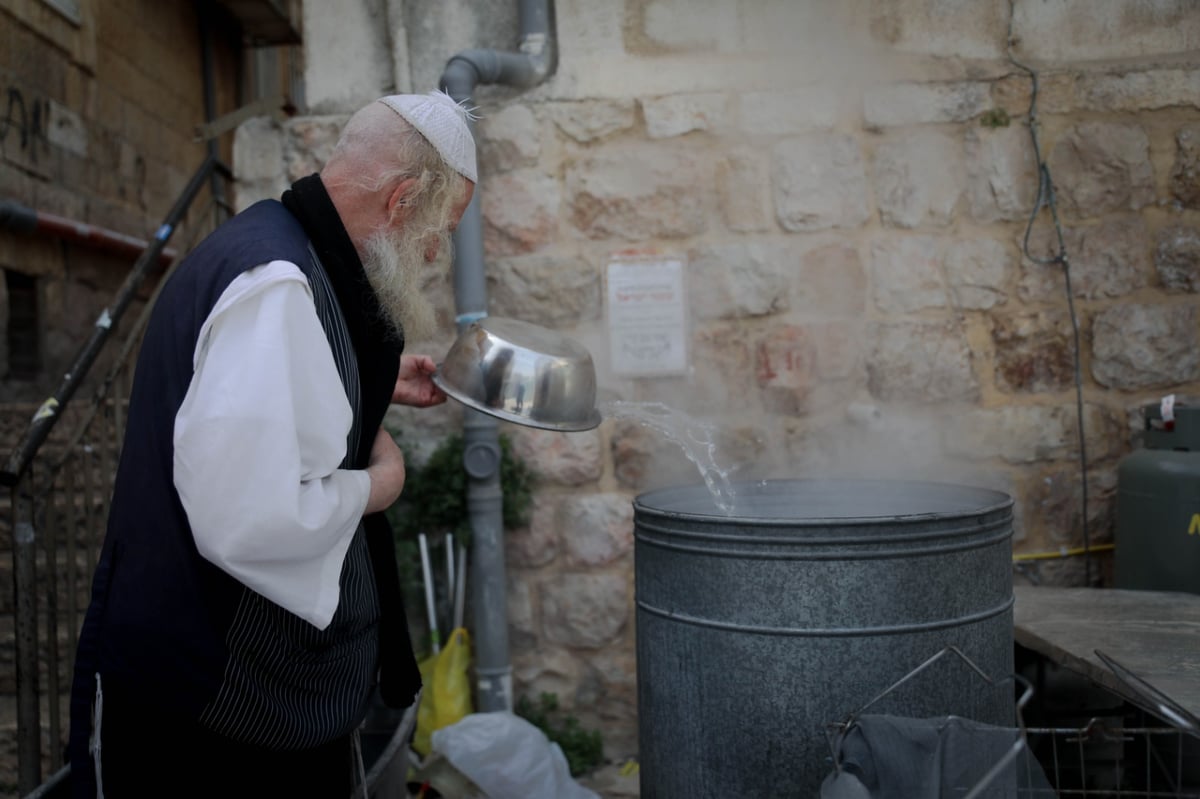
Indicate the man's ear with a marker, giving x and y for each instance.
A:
(400, 200)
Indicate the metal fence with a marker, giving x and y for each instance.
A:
(60, 489)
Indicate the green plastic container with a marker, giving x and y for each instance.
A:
(1158, 506)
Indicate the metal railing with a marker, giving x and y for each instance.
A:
(60, 489)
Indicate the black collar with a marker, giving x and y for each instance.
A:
(309, 202)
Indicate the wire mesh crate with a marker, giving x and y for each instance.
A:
(1103, 759)
(1129, 755)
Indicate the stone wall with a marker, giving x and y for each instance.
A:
(849, 185)
(98, 127)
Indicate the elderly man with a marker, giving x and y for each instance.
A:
(246, 605)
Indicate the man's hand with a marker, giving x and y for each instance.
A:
(386, 470)
(414, 383)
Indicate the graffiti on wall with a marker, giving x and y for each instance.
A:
(24, 124)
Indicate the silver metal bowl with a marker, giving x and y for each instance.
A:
(521, 373)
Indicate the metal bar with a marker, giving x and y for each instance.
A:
(120, 390)
(29, 739)
(70, 486)
(50, 533)
(103, 484)
(51, 410)
(52, 787)
(88, 507)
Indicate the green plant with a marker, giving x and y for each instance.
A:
(584, 749)
(435, 495)
(434, 501)
(994, 118)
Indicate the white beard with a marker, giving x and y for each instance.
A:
(394, 264)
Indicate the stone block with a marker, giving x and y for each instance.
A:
(743, 189)
(520, 212)
(924, 103)
(1177, 259)
(549, 290)
(1134, 91)
(786, 366)
(907, 274)
(1100, 167)
(1051, 506)
(258, 150)
(643, 459)
(1138, 345)
(1013, 433)
(509, 139)
(561, 458)
(1107, 260)
(723, 374)
(920, 361)
(918, 179)
(1001, 174)
(819, 183)
(1091, 30)
(522, 628)
(789, 111)
(977, 272)
(730, 281)
(640, 192)
(591, 120)
(830, 280)
(838, 346)
(597, 528)
(677, 114)
(61, 199)
(1185, 174)
(542, 669)
(66, 129)
(587, 29)
(347, 58)
(1011, 93)
(690, 25)
(957, 29)
(609, 690)
(819, 43)
(308, 142)
(585, 610)
(537, 543)
(1034, 351)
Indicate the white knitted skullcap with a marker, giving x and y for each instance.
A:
(443, 122)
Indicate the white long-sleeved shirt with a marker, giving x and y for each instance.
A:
(259, 440)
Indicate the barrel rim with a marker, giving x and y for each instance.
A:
(652, 534)
(1005, 502)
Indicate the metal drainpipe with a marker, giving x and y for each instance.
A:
(481, 452)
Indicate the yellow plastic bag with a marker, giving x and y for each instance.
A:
(446, 697)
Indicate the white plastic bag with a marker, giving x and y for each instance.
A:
(508, 758)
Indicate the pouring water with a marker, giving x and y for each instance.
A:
(696, 438)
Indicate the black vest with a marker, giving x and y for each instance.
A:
(166, 625)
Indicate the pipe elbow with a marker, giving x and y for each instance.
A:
(461, 75)
(469, 68)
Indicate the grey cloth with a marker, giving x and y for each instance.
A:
(895, 757)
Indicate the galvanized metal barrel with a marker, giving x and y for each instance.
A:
(758, 630)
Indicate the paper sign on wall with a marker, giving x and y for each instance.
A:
(647, 316)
